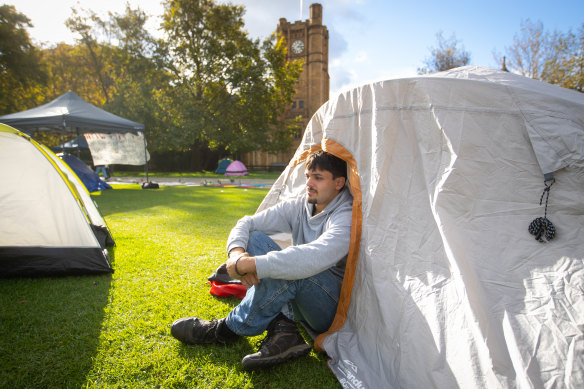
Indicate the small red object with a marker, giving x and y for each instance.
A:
(222, 289)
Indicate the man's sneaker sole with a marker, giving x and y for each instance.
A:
(255, 361)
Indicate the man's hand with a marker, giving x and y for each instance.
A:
(245, 266)
(249, 279)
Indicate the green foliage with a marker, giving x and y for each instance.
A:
(566, 67)
(554, 57)
(113, 331)
(21, 71)
(230, 89)
(446, 56)
(125, 62)
(206, 88)
(530, 51)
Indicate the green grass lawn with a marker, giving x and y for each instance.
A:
(113, 331)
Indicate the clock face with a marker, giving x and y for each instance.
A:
(297, 47)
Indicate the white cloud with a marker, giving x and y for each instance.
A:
(361, 57)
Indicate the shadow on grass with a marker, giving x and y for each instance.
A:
(50, 329)
(308, 371)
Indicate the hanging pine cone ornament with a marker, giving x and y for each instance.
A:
(541, 227)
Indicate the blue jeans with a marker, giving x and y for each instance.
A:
(312, 300)
(101, 169)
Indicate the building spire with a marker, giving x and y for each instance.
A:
(504, 65)
(300, 10)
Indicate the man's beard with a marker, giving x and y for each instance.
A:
(311, 200)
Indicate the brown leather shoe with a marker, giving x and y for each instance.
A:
(282, 343)
(193, 330)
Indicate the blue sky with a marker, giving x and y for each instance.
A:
(369, 39)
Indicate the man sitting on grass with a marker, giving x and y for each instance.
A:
(300, 283)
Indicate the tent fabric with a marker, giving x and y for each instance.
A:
(87, 176)
(46, 225)
(98, 224)
(236, 168)
(222, 166)
(444, 286)
(70, 113)
(78, 143)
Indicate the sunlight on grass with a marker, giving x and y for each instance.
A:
(114, 330)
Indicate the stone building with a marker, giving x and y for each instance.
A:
(308, 41)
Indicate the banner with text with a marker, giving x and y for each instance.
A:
(120, 149)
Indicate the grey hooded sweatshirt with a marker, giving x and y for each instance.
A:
(318, 242)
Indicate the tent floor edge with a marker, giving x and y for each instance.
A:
(103, 236)
(52, 261)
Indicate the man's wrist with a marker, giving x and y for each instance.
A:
(235, 265)
(236, 251)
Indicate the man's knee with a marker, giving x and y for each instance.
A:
(259, 243)
(257, 236)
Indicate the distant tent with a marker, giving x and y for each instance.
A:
(89, 178)
(79, 143)
(223, 164)
(69, 113)
(236, 168)
(49, 223)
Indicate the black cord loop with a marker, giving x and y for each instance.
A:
(541, 226)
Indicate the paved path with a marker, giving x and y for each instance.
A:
(191, 181)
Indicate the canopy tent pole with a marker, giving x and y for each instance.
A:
(147, 184)
(145, 157)
(78, 147)
(63, 133)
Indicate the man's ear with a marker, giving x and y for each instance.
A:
(339, 183)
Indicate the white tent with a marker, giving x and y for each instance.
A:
(49, 224)
(445, 286)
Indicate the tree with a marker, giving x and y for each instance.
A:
(231, 90)
(68, 69)
(446, 56)
(142, 78)
(566, 67)
(21, 72)
(98, 55)
(555, 57)
(124, 64)
(530, 51)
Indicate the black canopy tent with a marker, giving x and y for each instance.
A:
(70, 114)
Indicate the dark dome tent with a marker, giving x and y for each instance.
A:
(87, 176)
(222, 166)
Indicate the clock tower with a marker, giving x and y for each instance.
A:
(307, 41)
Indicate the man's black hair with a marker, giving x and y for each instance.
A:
(325, 161)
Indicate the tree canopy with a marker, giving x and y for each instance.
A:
(447, 55)
(21, 70)
(232, 90)
(554, 57)
(204, 87)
